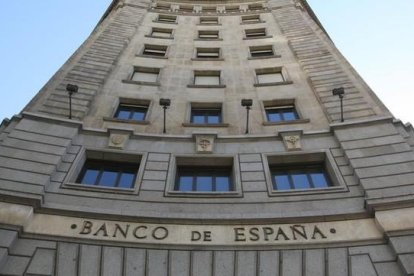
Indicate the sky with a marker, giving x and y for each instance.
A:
(377, 38)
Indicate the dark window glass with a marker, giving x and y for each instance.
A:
(131, 112)
(203, 179)
(108, 174)
(206, 116)
(281, 114)
(299, 177)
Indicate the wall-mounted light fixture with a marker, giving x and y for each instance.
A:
(340, 93)
(248, 104)
(71, 88)
(165, 103)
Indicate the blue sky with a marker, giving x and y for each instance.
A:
(377, 37)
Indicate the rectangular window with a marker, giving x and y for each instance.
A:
(209, 20)
(281, 113)
(208, 53)
(161, 32)
(308, 176)
(164, 18)
(154, 50)
(203, 179)
(164, 7)
(145, 74)
(207, 78)
(131, 112)
(209, 9)
(271, 76)
(108, 174)
(252, 33)
(231, 9)
(261, 51)
(249, 19)
(205, 115)
(184, 8)
(208, 34)
(255, 7)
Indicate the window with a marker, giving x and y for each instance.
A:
(281, 113)
(255, 7)
(208, 34)
(154, 50)
(207, 78)
(108, 174)
(307, 176)
(161, 33)
(205, 115)
(271, 76)
(145, 75)
(250, 19)
(164, 18)
(184, 8)
(232, 9)
(208, 53)
(254, 33)
(209, 20)
(261, 51)
(164, 7)
(209, 9)
(131, 112)
(203, 179)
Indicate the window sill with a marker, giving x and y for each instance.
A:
(208, 24)
(206, 86)
(332, 189)
(207, 59)
(205, 125)
(204, 194)
(208, 39)
(77, 186)
(141, 83)
(249, 23)
(299, 121)
(149, 56)
(257, 37)
(161, 37)
(163, 22)
(264, 57)
(272, 83)
(116, 120)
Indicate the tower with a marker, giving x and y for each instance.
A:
(206, 138)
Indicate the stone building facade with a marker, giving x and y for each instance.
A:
(297, 191)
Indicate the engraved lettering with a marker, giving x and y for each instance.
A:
(207, 236)
(118, 228)
(136, 234)
(280, 232)
(254, 234)
(239, 234)
(300, 230)
(316, 231)
(267, 231)
(103, 229)
(86, 227)
(195, 236)
(160, 233)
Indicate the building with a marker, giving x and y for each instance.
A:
(256, 170)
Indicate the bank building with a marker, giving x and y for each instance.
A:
(206, 138)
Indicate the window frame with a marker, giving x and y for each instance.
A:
(144, 103)
(166, 19)
(208, 38)
(281, 104)
(155, 49)
(206, 73)
(272, 70)
(310, 158)
(205, 106)
(106, 155)
(149, 70)
(208, 20)
(256, 33)
(161, 30)
(204, 50)
(196, 161)
(262, 48)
